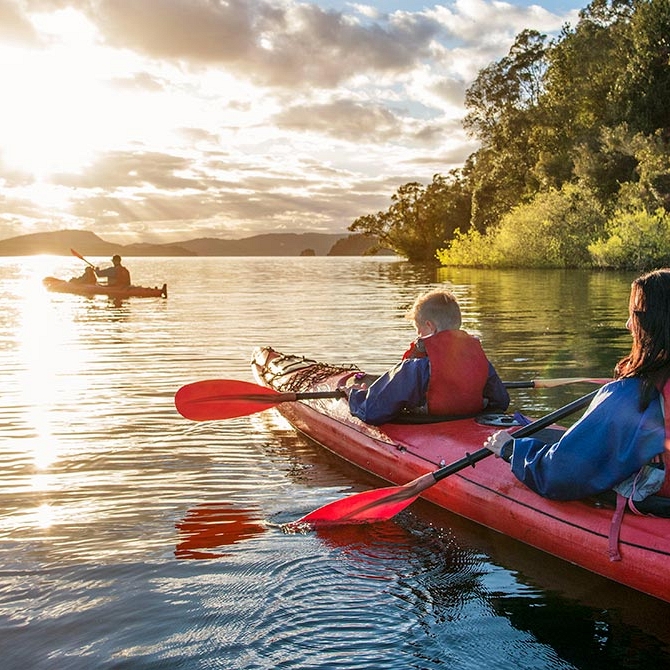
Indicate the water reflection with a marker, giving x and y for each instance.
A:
(105, 488)
(208, 527)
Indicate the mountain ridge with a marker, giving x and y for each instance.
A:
(268, 244)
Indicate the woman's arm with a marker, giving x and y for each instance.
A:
(610, 442)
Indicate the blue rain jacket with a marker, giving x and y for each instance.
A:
(611, 441)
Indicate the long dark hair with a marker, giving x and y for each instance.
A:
(649, 357)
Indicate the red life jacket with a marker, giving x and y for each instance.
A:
(458, 372)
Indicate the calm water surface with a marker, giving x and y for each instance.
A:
(132, 538)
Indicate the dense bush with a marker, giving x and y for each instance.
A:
(634, 240)
(553, 230)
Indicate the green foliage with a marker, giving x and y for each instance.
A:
(471, 249)
(503, 103)
(570, 131)
(549, 114)
(552, 231)
(420, 219)
(634, 241)
(643, 85)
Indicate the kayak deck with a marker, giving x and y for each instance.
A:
(62, 286)
(487, 494)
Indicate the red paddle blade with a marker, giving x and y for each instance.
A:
(214, 399)
(365, 507)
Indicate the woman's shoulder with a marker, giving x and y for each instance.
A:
(623, 385)
(615, 395)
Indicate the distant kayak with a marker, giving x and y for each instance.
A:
(77, 288)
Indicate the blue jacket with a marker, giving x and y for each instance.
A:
(611, 441)
(404, 387)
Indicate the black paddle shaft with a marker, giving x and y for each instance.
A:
(525, 431)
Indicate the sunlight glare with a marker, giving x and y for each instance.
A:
(41, 336)
(49, 96)
(44, 516)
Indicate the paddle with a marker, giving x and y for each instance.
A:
(216, 399)
(78, 255)
(553, 383)
(382, 504)
(228, 398)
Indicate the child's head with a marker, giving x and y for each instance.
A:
(439, 309)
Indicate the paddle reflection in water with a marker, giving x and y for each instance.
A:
(205, 528)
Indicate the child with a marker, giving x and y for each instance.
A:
(87, 278)
(444, 372)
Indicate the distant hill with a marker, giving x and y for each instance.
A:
(86, 243)
(271, 244)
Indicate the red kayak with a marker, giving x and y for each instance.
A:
(77, 288)
(487, 494)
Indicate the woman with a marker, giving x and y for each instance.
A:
(620, 442)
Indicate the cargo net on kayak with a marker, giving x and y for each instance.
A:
(303, 373)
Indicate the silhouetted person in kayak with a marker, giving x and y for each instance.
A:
(619, 444)
(445, 371)
(88, 277)
(117, 274)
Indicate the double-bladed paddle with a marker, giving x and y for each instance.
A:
(383, 504)
(216, 399)
(78, 255)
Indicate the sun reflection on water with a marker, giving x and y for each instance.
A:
(41, 333)
(47, 357)
(44, 516)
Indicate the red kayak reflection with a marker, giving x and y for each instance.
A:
(207, 527)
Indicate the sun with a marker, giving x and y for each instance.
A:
(55, 103)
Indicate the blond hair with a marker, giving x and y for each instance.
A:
(438, 306)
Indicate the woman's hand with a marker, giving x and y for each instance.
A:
(497, 441)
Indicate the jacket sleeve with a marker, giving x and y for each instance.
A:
(495, 392)
(609, 443)
(402, 387)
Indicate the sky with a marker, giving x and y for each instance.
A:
(169, 120)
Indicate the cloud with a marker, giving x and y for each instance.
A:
(343, 119)
(15, 28)
(275, 44)
(240, 116)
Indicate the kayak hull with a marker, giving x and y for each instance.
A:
(487, 494)
(62, 286)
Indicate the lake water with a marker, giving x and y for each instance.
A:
(132, 538)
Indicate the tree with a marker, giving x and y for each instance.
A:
(420, 219)
(643, 87)
(502, 109)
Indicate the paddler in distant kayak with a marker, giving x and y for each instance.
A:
(621, 445)
(444, 372)
(117, 274)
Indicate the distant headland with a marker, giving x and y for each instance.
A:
(271, 244)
